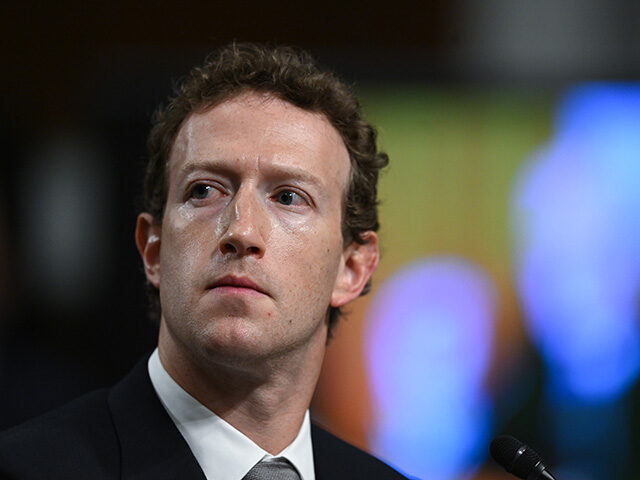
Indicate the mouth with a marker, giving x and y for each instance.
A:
(236, 285)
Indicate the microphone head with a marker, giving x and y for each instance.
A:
(516, 457)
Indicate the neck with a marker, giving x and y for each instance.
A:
(265, 399)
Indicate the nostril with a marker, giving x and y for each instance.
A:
(228, 248)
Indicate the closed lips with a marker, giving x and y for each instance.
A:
(238, 282)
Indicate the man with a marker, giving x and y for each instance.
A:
(259, 224)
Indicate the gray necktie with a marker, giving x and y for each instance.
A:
(275, 469)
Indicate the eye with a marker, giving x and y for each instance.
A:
(289, 197)
(201, 191)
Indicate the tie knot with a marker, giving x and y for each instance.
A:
(278, 468)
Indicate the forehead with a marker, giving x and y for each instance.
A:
(255, 131)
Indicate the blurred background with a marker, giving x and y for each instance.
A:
(507, 298)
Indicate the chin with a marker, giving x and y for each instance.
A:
(240, 340)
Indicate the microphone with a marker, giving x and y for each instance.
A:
(519, 459)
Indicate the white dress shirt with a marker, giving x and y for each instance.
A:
(223, 452)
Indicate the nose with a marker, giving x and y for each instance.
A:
(245, 226)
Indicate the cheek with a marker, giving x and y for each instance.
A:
(313, 261)
(314, 242)
(292, 228)
(184, 242)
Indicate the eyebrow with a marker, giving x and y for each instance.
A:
(227, 167)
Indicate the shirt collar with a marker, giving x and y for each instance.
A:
(223, 452)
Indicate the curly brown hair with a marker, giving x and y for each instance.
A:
(289, 74)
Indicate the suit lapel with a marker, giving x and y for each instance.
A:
(151, 445)
(325, 465)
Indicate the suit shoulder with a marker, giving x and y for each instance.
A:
(78, 436)
(82, 414)
(336, 458)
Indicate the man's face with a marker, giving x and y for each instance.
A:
(250, 248)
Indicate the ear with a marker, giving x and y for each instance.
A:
(359, 261)
(148, 243)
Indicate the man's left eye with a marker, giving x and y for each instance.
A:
(288, 197)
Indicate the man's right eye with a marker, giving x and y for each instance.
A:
(201, 191)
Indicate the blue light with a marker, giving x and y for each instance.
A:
(429, 342)
(578, 221)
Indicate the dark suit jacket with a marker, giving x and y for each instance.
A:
(125, 433)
